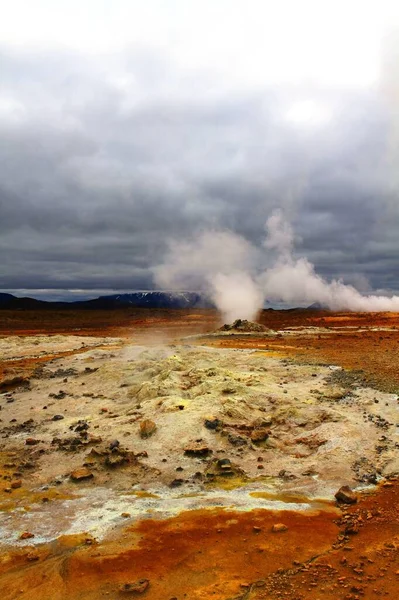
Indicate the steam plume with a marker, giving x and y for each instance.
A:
(295, 281)
(227, 268)
(221, 264)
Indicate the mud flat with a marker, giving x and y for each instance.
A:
(201, 467)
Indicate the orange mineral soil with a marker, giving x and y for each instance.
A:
(346, 553)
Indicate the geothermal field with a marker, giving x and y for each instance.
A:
(161, 454)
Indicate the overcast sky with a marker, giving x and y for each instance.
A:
(125, 123)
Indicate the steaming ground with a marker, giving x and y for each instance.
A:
(282, 428)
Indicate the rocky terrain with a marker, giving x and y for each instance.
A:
(143, 460)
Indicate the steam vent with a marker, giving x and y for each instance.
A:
(243, 326)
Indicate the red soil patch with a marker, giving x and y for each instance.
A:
(197, 555)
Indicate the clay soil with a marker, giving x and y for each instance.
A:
(333, 551)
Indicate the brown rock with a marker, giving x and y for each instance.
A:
(197, 449)
(279, 528)
(147, 428)
(94, 439)
(260, 435)
(16, 484)
(31, 442)
(139, 587)
(345, 495)
(26, 535)
(81, 474)
(116, 460)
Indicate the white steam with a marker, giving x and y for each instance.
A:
(227, 268)
(295, 281)
(221, 264)
(237, 296)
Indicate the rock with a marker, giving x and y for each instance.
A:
(260, 435)
(279, 528)
(213, 424)
(142, 454)
(345, 495)
(139, 587)
(197, 449)
(31, 442)
(32, 557)
(116, 460)
(243, 325)
(58, 417)
(225, 467)
(176, 483)
(114, 444)
(147, 428)
(95, 439)
(125, 515)
(26, 535)
(224, 463)
(81, 474)
(16, 484)
(236, 440)
(81, 426)
(391, 468)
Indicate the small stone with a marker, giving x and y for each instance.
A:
(31, 442)
(114, 444)
(116, 460)
(345, 495)
(143, 454)
(147, 428)
(260, 435)
(176, 483)
(81, 474)
(213, 423)
(224, 463)
(197, 449)
(125, 515)
(31, 557)
(58, 417)
(139, 587)
(236, 440)
(26, 535)
(279, 528)
(16, 484)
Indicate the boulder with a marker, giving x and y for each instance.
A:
(147, 428)
(81, 474)
(345, 495)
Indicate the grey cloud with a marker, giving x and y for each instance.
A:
(106, 158)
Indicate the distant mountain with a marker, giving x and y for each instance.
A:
(12, 302)
(160, 300)
(172, 300)
(318, 306)
(5, 299)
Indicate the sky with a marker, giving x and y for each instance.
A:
(127, 124)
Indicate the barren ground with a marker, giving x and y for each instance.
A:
(192, 447)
